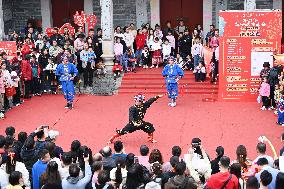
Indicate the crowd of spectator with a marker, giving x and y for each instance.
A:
(37, 161)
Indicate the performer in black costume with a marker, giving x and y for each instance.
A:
(136, 116)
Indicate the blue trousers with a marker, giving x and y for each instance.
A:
(196, 60)
(68, 90)
(172, 89)
(280, 117)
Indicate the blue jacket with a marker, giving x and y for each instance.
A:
(66, 74)
(172, 72)
(38, 168)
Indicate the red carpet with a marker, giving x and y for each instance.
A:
(150, 81)
(95, 118)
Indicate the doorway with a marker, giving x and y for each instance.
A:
(63, 11)
(190, 11)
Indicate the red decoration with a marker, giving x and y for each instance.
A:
(82, 19)
(70, 28)
(247, 40)
(49, 31)
(9, 47)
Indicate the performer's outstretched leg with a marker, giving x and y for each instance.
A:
(129, 128)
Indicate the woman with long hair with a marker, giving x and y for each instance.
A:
(12, 165)
(119, 173)
(134, 178)
(51, 179)
(236, 170)
(241, 153)
(215, 163)
(280, 180)
(156, 156)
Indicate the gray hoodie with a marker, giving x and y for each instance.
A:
(76, 182)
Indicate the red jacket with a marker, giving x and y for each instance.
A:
(26, 70)
(117, 67)
(27, 49)
(140, 41)
(216, 181)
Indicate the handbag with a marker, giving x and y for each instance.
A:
(258, 99)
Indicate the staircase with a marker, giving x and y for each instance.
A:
(150, 81)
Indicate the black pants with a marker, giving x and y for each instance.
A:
(17, 96)
(272, 101)
(88, 75)
(27, 88)
(265, 101)
(200, 76)
(35, 86)
(130, 128)
(79, 62)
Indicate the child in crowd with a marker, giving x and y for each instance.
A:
(172, 41)
(264, 92)
(51, 77)
(166, 50)
(117, 69)
(129, 61)
(92, 58)
(265, 71)
(156, 59)
(200, 72)
(179, 60)
(15, 83)
(101, 68)
(35, 86)
(9, 89)
(188, 64)
(118, 50)
(197, 51)
(145, 57)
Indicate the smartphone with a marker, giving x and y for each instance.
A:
(136, 160)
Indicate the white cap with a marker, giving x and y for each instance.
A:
(53, 134)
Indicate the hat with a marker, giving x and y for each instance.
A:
(139, 98)
(52, 134)
(171, 58)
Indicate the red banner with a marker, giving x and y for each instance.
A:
(247, 40)
(9, 47)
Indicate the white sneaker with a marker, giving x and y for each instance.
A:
(269, 108)
(2, 116)
(263, 108)
(174, 104)
(170, 104)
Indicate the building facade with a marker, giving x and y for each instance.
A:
(14, 14)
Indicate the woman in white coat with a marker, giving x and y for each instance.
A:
(13, 165)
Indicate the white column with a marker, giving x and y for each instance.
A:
(207, 15)
(220, 5)
(249, 5)
(2, 34)
(155, 12)
(107, 30)
(88, 9)
(46, 14)
(141, 12)
(277, 4)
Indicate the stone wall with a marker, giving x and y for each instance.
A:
(7, 15)
(124, 12)
(23, 10)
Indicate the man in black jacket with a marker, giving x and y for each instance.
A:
(136, 116)
(186, 44)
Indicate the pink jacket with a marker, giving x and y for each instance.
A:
(264, 89)
(118, 49)
(172, 40)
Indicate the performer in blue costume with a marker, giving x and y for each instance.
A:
(172, 73)
(281, 112)
(66, 72)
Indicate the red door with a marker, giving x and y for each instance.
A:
(63, 11)
(190, 11)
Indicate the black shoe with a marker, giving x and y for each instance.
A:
(70, 106)
(67, 105)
